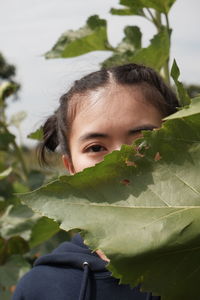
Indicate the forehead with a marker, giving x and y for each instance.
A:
(107, 99)
(114, 106)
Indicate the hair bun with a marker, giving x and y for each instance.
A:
(50, 138)
(50, 133)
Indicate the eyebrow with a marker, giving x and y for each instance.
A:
(141, 128)
(93, 135)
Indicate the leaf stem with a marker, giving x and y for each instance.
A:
(166, 65)
(20, 157)
(166, 71)
(146, 17)
(167, 23)
(158, 20)
(2, 111)
(153, 19)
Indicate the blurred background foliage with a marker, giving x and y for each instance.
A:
(24, 235)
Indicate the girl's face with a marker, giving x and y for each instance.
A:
(106, 119)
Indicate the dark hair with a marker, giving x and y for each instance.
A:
(56, 128)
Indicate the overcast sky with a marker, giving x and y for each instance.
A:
(29, 28)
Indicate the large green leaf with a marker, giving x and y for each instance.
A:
(141, 206)
(135, 7)
(91, 37)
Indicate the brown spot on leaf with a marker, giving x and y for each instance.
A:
(125, 182)
(157, 156)
(130, 163)
(139, 154)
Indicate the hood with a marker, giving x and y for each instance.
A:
(75, 254)
(78, 255)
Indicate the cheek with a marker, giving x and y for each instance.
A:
(80, 166)
(81, 161)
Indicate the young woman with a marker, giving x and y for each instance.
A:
(101, 111)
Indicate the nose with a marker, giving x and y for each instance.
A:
(118, 145)
(125, 141)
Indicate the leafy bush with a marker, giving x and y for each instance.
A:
(22, 233)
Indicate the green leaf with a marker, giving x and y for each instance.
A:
(7, 89)
(188, 110)
(125, 49)
(126, 12)
(193, 90)
(52, 243)
(156, 54)
(16, 245)
(5, 140)
(19, 187)
(118, 59)
(42, 231)
(133, 37)
(91, 37)
(2, 251)
(36, 135)
(162, 6)
(17, 220)
(182, 93)
(5, 173)
(6, 70)
(132, 8)
(11, 246)
(3, 204)
(13, 270)
(140, 206)
(35, 179)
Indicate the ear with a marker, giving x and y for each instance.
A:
(68, 164)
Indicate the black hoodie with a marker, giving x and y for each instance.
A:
(73, 272)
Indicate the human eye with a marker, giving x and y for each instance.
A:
(95, 149)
